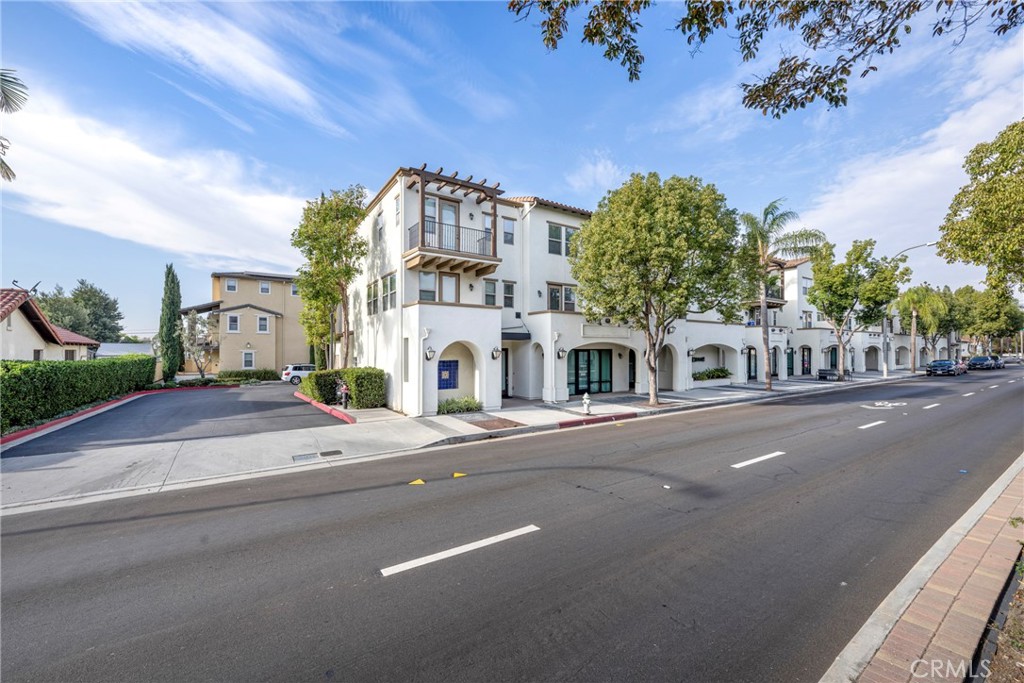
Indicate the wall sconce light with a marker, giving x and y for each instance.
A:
(689, 352)
(789, 349)
(471, 216)
(495, 353)
(471, 286)
(620, 355)
(671, 329)
(248, 345)
(562, 352)
(429, 353)
(539, 295)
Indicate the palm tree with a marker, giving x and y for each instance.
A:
(925, 307)
(13, 95)
(765, 237)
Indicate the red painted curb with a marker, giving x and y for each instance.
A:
(22, 433)
(582, 422)
(330, 410)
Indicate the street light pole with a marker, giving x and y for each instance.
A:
(885, 317)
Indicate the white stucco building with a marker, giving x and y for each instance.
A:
(466, 292)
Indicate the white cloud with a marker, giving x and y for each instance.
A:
(596, 175)
(202, 204)
(202, 41)
(900, 198)
(218, 110)
(714, 112)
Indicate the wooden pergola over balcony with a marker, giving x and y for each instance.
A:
(452, 247)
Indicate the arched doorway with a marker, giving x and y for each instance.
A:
(871, 358)
(666, 363)
(457, 373)
(805, 360)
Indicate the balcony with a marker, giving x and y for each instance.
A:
(449, 247)
(773, 297)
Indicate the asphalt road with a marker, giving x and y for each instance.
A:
(654, 558)
(178, 415)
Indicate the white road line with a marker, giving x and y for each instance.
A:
(763, 457)
(969, 394)
(444, 554)
(934, 405)
(994, 386)
(872, 424)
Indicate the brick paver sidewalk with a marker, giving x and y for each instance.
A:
(935, 638)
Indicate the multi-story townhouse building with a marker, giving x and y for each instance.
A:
(255, 322)
(466, 292)
(808, 343)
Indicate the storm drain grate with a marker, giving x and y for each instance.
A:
(305, 457)
(327, 454)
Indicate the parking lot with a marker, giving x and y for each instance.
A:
(184, 415)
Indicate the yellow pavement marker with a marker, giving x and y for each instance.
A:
(456, 475)
(418, 482)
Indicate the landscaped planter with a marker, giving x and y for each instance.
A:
(701, 383)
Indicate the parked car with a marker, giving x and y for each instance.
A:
(999, 364)
(295, 373)
(981, 363)
(942, 367)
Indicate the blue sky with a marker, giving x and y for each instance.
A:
(193, 134)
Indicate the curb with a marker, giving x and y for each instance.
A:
(596, 419)
(330, 410)
(53, 425)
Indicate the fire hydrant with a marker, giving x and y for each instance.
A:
(586, 403)
(344, 394)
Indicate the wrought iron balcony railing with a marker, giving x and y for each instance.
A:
(449, 237)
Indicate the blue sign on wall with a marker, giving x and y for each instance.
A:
(448, 374)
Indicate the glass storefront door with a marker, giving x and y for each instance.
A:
(589, 371)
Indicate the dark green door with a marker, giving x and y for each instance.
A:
(589, 371)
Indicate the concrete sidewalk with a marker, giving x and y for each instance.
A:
(59, 479)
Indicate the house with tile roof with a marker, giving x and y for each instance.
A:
(27, 334)
(254, 322)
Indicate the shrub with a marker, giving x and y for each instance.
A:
(464, 404)
(712, 373)
(197, 382)
(265, 374)
(39, 390)
(366, 386)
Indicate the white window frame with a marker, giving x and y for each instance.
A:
(267, 283)
(389, 292)
(238, 324)
(508, 230)
(260, 319)
(446, 281)
(252, 356)
(230, 285)
(295, 289)
(372, 305)
(491, 285)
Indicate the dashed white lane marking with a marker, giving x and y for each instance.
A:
(994, 386)
(444, 554)
(934, 405)
(753, 460)
(969, 394)
(872, 424)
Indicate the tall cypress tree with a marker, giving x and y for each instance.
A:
(172, 352)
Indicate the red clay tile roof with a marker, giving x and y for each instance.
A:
(13, 299)
(69, 337)
(10, 299)
(550, 204)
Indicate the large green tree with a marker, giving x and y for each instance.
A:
(172, 351)
(655, 251)
(846, 36)
(985, 223)
(13, 95)
(196, 332)
(766, 237)
(63, 310)
(104, 312)
(926, 310)
(328, 239)
(854, 294)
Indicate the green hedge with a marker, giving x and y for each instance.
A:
(712, 373)
(38, 390)
(465, 404)
(260, 374)
(366, 386)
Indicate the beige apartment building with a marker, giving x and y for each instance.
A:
(254, 322)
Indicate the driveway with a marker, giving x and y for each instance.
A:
(182, 416)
